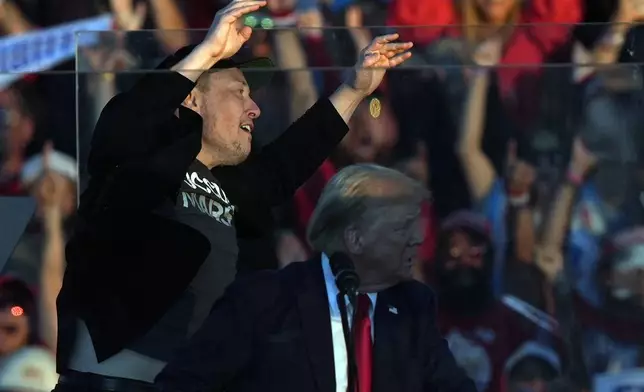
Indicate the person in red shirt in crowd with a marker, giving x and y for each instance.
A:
(477, 20)
(483, 332)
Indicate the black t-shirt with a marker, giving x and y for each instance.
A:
(203, 205)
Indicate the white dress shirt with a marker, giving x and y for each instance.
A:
(337, 333)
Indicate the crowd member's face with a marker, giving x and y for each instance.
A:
(228, 114)
(388, 245)
(462, 277)
(16, 128)
(14, 332)
(463, 252)
(370, 134)
(495, 11)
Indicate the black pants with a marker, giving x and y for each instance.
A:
(73, 381)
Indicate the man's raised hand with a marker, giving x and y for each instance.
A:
(381, 54)
(228, 33)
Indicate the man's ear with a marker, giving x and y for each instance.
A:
(353, 240)
(191, 101)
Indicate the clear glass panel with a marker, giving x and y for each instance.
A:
(536, 103)
(540, 98)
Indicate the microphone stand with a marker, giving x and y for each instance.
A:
(352, 367)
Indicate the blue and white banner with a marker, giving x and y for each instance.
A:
(45, 48)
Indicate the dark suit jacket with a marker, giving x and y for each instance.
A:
(126, 264)
(272, 332)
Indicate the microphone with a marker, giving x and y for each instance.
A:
(345, 274)
(347, 281)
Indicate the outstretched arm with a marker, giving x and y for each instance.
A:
(284, 165)
(478, 168)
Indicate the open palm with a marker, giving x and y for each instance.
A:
(227, 33)
(128, 16)
(381, 55)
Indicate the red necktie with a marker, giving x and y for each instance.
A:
(363, 345)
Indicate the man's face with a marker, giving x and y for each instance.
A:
(463, 252)
(14, 332)
(370, 136)
(392, 241)
(228, 113)
(461, 273)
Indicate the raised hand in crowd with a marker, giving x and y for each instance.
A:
(609, 45)
(127, 15)
(169, 22)
(583, 160)
(488, 53)
(485, 55)
(311, 20)
(549, 257)
(107, 60)
(478, 169)
(12, 19)
(550, 261)
(629, 11)
(51, 191)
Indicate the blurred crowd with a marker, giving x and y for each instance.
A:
(521, 117)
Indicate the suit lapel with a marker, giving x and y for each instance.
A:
(316, 324)
(391, 332)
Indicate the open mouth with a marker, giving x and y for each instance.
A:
(246, 128)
